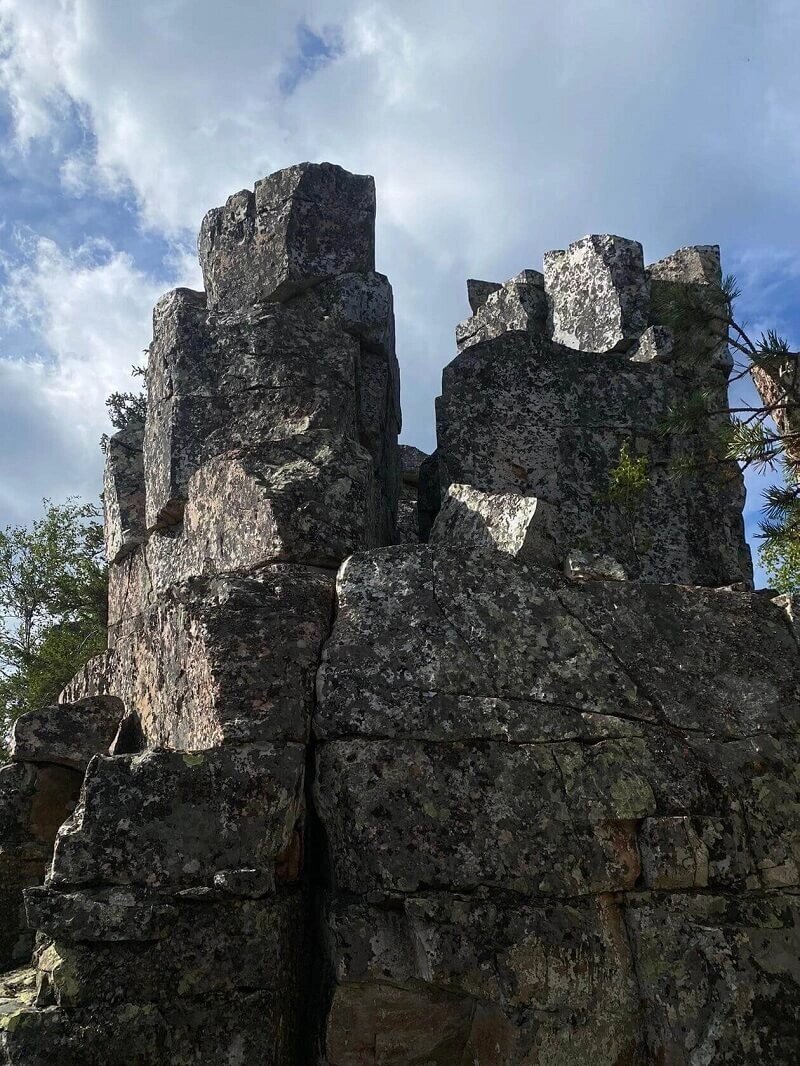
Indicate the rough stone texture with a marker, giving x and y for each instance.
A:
(520, 415)
(598, 294)
(230, 658)
(519, 304)
(411, 460)
(123, 493)
(299, 226)
(587, 566)
(500, 814)
(195, 814)
(479, 291)
(520, 526)
(68, 734)
(506, 762)
(692, 276)
(34, 801)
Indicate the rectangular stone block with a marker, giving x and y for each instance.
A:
(123, 493)
(172, 820)
(228, 659)
(299, 226)
(68, 734)
(518, 415)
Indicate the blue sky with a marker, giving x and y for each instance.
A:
(495, 132)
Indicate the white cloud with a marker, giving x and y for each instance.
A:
(89, 314)
(495, 131)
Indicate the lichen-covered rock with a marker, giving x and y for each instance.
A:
(656, 345)
(34, 801)
(299, 226)
(411, 460)
(535, 982)
(95, 676)
(691, 278)
(219, 382)
(519, 526)
(519, 304)
(504, 759)
(68, 734)
(522, 416)
(311, 499)
(206, 947)
(172, 820)
(225, 659)
(123, 493)
(589, 566)
(479, 291)
(598, 294)
(190, 1031)
(361, 304)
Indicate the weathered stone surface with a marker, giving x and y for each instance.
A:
(208, 947)
(519, 526)
(479, 291)
(361, 304)
(123, 493)
(673, 855)
(719, 977)
(597, 293)
(536, 982)
(519, 304)
(588, 566)
(219, 382)
(311, 499)
(411, 459)
(68, 734)
(518, 415)
(299, 226)
(34, 801)
(232, 1028)
(429, 495)
(94, 677)
(225, 659)
(692, 276)
(171, 820)
(656, 345)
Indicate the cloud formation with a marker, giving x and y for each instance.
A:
(494, 132)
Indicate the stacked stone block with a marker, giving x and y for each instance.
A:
(176, 906)
(336, 797)
(543, 408)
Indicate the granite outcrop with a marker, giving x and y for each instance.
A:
(397, 759)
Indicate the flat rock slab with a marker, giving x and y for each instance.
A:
(68, 734)
(172, 820)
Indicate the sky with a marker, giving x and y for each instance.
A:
(495, 132)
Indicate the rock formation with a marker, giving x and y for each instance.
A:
(398, 759)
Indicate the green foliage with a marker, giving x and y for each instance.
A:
(126, 408)
(52, 605)
(779, 551)
(628, 480)
(628, 483)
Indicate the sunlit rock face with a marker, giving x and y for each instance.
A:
(461, 759)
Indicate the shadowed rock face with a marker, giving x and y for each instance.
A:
(524, 795)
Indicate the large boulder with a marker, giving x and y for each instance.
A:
(598, 294)
(299, 226)
(533, 791)
(519, 526)
(173, 820)
(519, 304)
(68, 734)
(519, 415)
